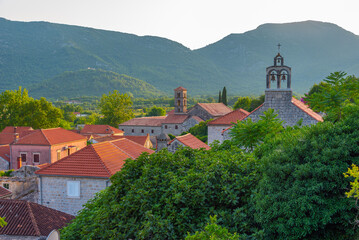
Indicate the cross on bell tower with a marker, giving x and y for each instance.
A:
(278, 72)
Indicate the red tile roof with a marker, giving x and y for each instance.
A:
(48, 137)
(5, 152)
(100, 129)
(11, 129)
(215, 109)
(96, 160)
(180, 89)
(142, 140)
(306, 109)
(230, 118)
(6, 138)
(4, 192)
(30, 219)
(191, 141)
(145, 121)
(175, 118)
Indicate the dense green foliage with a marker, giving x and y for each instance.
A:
(92, 82)
(213, 232)
(2, 222)
(331, 97)
(302, 192)
(248, 134)
(41, 51)
(224, 96)
(156, 111)
(248, 103)
(167, 196)
(116, 108)
(6, 173)
(200, 131)
(18, 109)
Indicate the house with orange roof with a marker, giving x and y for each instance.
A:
(69, 183)
(177, 121)
(30, 221)
(101, 130)
(142, 140)
(187, 140)
(4, 157)
(280, 98)
(44, 146)
(216, 126)
(10, 133)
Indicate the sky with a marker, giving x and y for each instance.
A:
(193, 23)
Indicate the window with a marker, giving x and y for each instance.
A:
(68, 151)
(6, 185)
(178, 103)
(73, 189)
(152, 131)
(133, 130)
(165, 126)
(142, 131)
(36, 157)
(23, 157)
(176, 126)
(178, 94)
(58, 154)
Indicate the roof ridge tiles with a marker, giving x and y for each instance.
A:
(124, 139)
(33, 220)
(41, 130)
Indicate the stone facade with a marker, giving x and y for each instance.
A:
(178, 128)
(281, 101)
(53, 192)
(174, 146)
(4, 164)
(215, 133)
(140, 130)
(200, 112)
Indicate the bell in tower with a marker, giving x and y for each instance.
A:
(278, 72)
(180, 100)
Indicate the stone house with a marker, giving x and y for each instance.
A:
(177, 121)
(217, 126)
(44, 146)
(30, 221)
(4, 157)
(187, 140)
(69, 183)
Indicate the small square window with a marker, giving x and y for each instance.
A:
(36, 157)
(142, 131)
(176, 126)
(165, 126)
(73, 189)
(23, 157)
(6, 185)
(133, 130)
(152, 131)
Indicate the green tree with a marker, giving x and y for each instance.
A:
(116, 108)
(165, 196)
(301, 193)
(213, 232)
(331, 96)
(200, 131)
(18, 109)
(156, 111)
(2, 222)
(224, 96)
(219, 96)
(248, 134)
(244, 103)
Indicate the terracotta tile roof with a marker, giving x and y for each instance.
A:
(49, 137)
(175, 118)
(11, 129)
(142, 140)
(30, 219)
(100, 129)
(230, 118)
(191, 141)
(5, 152)
(215, 109)
(4, 192)
(6, 138)
(171, 112)
(145, 121)
(180, 89)
(96, 160)
(306, 109)
(131, 148)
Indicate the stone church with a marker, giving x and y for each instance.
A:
(178, 120)
(279, 96)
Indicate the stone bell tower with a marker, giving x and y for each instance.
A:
(180, 100)
(280, 77)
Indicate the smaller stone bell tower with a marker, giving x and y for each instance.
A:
(180, 100)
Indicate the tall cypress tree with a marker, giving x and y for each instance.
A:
(224, 96)
(219, 97)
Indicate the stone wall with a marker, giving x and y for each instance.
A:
(200, 112)
(4, 164)
(17, 237)
(53, 192)
(174, 146)
(21, 187)
(215, 133)
(137, 130)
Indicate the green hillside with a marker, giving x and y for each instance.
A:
(92, 82)
(31, 52)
